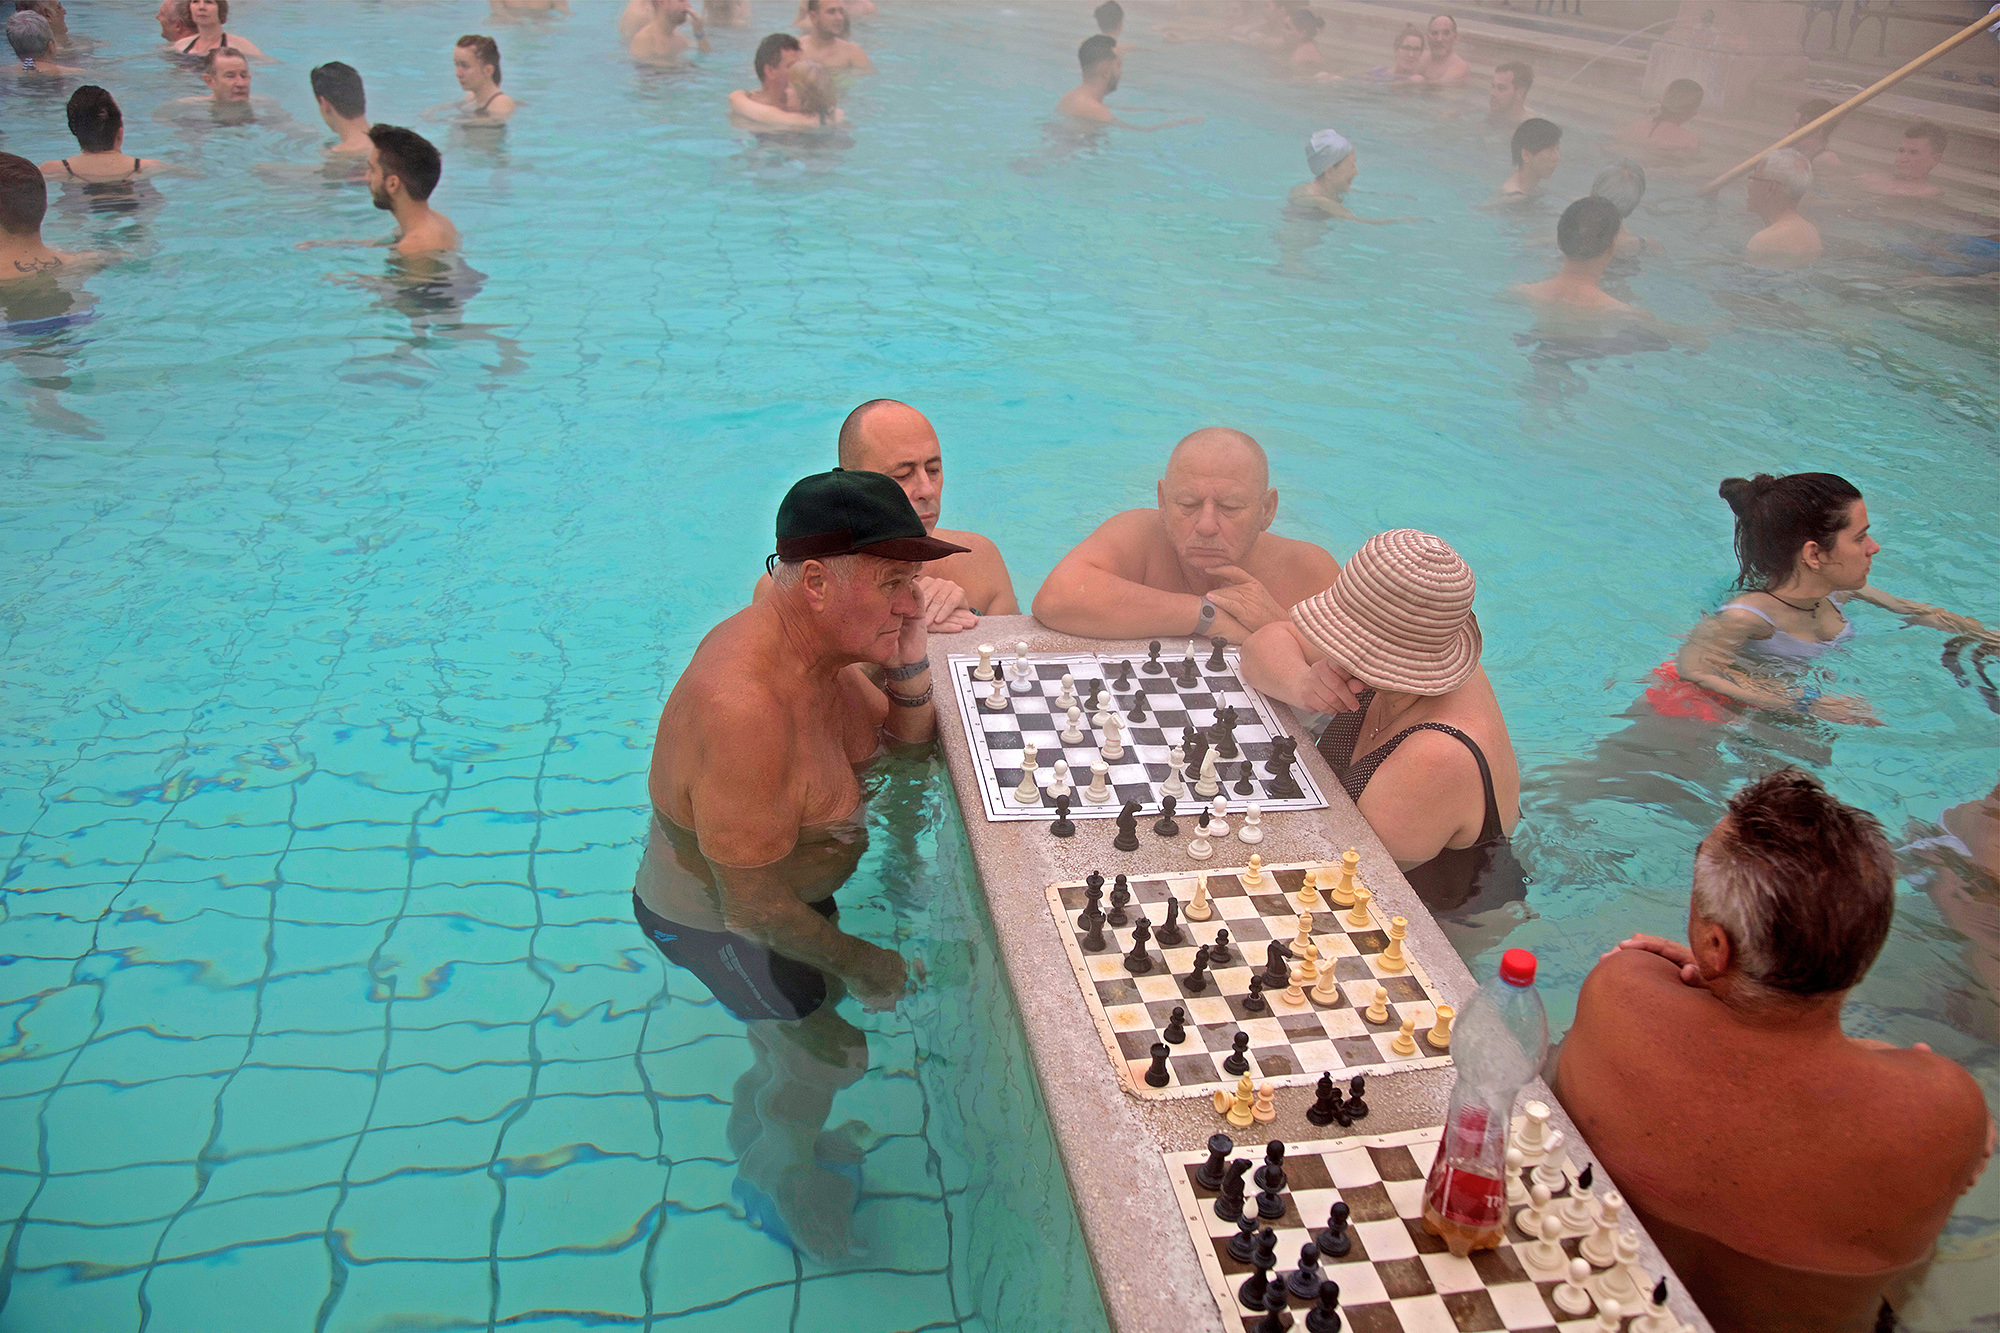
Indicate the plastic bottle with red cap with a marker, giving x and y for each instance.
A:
(1498, 1043)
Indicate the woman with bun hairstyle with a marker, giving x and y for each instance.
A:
(99, 127)
(1804, 552)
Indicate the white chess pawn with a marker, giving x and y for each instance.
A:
(1308, 963)
(992, 696)
(1253, 874)
(1200, 848)
(1066, 697)
(1252, 828)
(1059, 784)
(1100, 710)
(1021, 669)
(1028, 793)
(1517, 1193)
(1610, 1316)
(1207, 784)
(1529, 1219)
(1097, 793)
(1111, 749)
(1543, 1257)
(1570, 1295)
(1549, 1173)
(1601, 1245)
(1198, 908)
(1218, 824)
(1073, 733)
(1175, 786)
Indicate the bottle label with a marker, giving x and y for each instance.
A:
(1466, 1198)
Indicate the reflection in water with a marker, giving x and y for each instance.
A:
(42, 315)
(431, 292)
(1957, 862)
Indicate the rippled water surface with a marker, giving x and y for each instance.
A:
(338, 613)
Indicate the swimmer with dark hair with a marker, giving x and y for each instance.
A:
(343, 105)
(1587, 234)
(1667, 128)
(24, 200)
(660, 41)
(475, 61)
(207, 17)
(786, 97)
(1507, 98)
(825, 40)
(1334, 165)
(1101, 67)
(403, 170)
(1442, 62)
(1921, 150)
(1537, 149)
(1814, 145)
(1409, 63)
(99, 127)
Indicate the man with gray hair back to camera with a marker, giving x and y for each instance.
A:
(1795, 1177)
(1776, 185)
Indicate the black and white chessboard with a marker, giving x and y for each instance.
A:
(1397, 1277)
(1290, 1045)
(997, 737)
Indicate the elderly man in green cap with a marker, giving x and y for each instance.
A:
(758, 820)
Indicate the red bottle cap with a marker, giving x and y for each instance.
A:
(1517, 967)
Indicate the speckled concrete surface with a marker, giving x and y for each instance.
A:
(1110, 1142)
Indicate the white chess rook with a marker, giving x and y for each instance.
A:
(984, 671)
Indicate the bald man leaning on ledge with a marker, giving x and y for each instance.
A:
(1204, 562)
(883, 435)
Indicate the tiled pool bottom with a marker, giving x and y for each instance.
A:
(382, 1050)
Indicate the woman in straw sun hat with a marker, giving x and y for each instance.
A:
(1416, 737)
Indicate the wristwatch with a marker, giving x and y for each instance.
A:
(1206, 620)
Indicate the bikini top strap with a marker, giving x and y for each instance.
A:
(135, 166)
(1745, 606)
(1342, 733)
(67, 167)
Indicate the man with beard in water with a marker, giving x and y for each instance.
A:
(759, 818)
(403, 169)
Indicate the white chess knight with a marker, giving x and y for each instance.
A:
(1549, 1174)
(1198, 908)
(1207, 784)
(1113, 727)
(1097, 793)
(1028, 793)
(1174, 786)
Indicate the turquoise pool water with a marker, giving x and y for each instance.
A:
(337, 619)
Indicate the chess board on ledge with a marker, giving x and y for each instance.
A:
(1396, 1277)
(997, 736)
(1290, 1044)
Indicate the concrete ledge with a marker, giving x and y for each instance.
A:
(1111, 1143)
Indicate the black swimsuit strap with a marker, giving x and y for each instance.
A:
(1337, 742)
(67, 167)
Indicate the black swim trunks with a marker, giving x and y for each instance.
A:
(749, 980)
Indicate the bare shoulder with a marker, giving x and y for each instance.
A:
(1628, 976)
(1126, 537)
(978, 544)
(1294, 570)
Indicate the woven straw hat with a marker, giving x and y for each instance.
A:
(1400, 615)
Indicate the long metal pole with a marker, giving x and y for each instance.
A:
(1972, 30)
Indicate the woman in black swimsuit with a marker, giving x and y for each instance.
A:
(1416, 738)
(206, 17)
(99, 127)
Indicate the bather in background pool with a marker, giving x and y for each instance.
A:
(337, 619)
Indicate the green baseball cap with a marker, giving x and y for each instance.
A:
(853, 513)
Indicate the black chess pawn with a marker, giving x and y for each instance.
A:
(1275, 1319)
(1120, 675)
(1165, 825)
(1218, 952)
(1325, 1317)
(1238, 1059)
(1121, 894)
(1229, 1201)
(1271, 1175)
(1176, 1030)
(1156, 1074)
(1169, 934)
(1244, 786)
(1093, 938)
(1270, 1205)
(1334, 1242)
(1323, 1110)
(1303, 1284)
(1128, 828)
(1357, 1109)
(1254, 1002)
(1138, 961)
(1216, 661)
(1243, 1245)
(1062, 827)
(1265, 1258)
(1197, 981)
(1209, 1174)
(1153, 667)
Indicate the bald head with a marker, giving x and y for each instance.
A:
(1220, 451)
(883, 435)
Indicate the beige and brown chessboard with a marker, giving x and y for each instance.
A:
(1291, 1044)
(1396, 1277)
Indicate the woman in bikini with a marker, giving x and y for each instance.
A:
(1804, 552)
(207, 18)
(1416, 737)
(99, 127)
(476, 62)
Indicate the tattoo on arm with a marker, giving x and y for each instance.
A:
(37, 265)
